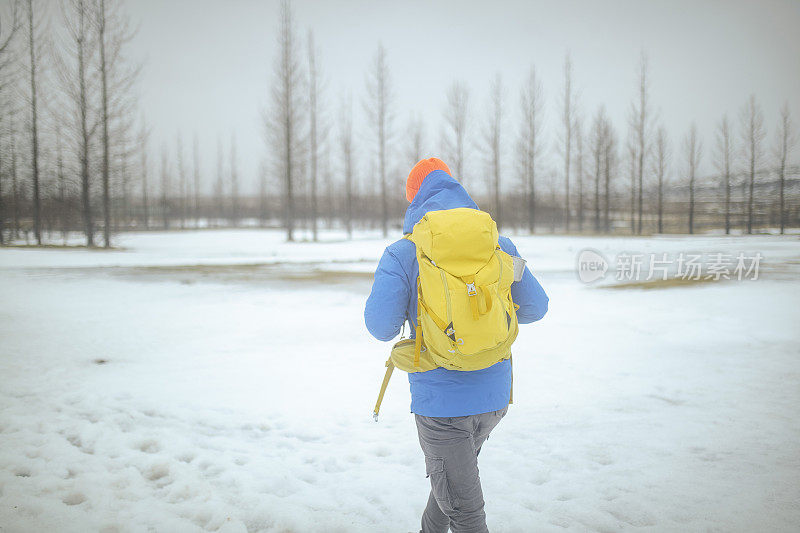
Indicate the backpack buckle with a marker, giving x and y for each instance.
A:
(471, 290)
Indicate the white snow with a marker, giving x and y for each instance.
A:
(239, 380)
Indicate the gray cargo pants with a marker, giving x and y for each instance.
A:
(451, 447)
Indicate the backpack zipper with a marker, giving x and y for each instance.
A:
(446, 295)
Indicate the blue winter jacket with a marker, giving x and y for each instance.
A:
(441, 392)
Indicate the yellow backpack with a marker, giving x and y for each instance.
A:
(466, 318)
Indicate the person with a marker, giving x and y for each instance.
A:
(454, 410)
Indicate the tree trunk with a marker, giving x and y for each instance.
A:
(37, 223)
(196, 162)
(145, 213)
(597, 184)
(2, 204)
(497, 198)
(727, 197)
(579, 169)
(101, 5)
(312, 108)
(691, 202)
(62, 186)
(88, 220)
(661, 201)
(234, 185)
(752, 185)
(165, 214)
(348, 172)
(532, 200)
(15, 183)
(607, 192)
(382, 163)
(633, 192)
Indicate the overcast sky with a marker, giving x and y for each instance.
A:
(209, 63)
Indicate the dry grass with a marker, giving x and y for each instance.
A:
(245, 273)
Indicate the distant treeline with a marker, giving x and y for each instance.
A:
(75, 152)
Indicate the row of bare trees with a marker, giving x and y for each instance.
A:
(65, 123)
(75, 153)
(659, 188)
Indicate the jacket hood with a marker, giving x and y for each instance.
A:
(438, 191)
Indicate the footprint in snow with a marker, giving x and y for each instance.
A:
(186, 457)
(74, 498)
(157, 471)
(149, 446)
(76, 441)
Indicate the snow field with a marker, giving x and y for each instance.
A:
(244, 404)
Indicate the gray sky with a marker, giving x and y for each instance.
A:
(209, 63)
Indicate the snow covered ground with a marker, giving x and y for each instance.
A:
(224, 381)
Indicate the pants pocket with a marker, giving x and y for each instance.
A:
(434, 470)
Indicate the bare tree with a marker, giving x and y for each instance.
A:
(785, 140)
(640, 123)
(529, 142)
(493, 136)
(456, 117)
(752, 123)
(579, 165)
(116, 80)
(62, 186)
(16, 193)
(101, 28)
(181, 180)
(724, 154)
(262, 193)
(378, 109)
(7, 79)
(693, 148)
(327, 181)
(123, 152)
(568, 118)
(78, 87)
(196, 175)
(415, 137)
(234, 184)
(631, 149)
(284, 122)
(346, 141)
(597, 145)
(142, 140)
(219, 186)
(33, 70)
(2, 204)
(165, 188)
(609, 161)
(313, 99)
(554, 176)
(662, 158)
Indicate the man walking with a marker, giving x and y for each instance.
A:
(455, 409)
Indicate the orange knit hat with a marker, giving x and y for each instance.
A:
(418, 173)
